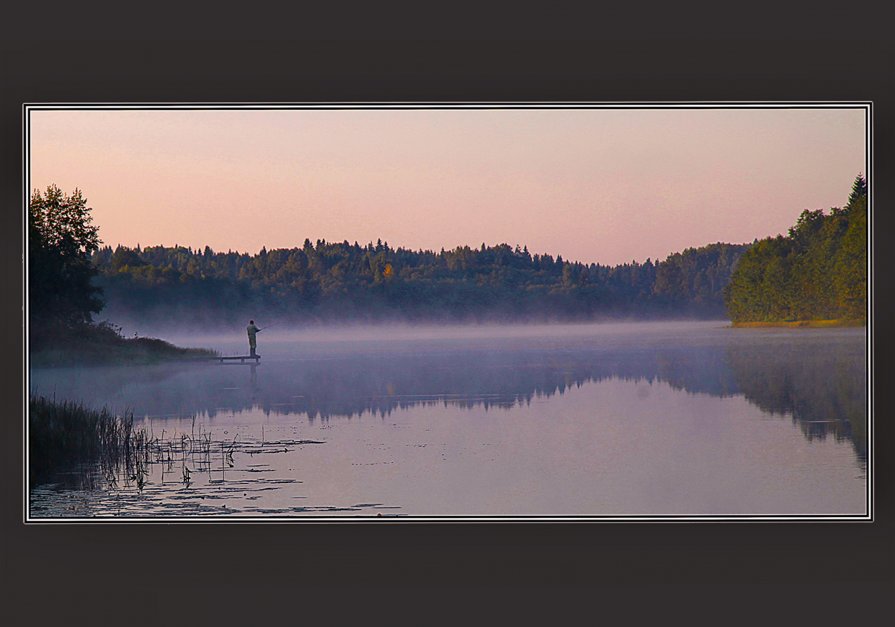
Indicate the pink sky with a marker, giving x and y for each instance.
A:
(593, 185)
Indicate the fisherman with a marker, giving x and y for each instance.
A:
(252, 330)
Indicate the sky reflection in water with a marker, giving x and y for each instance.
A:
(617, 420)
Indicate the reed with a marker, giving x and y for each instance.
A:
(101, 448)
(67, 434)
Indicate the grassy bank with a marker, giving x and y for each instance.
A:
(809, 324)
(103, 344)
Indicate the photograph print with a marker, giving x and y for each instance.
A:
(452, 312)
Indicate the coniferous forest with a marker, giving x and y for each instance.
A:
(326, 281)
(817, 272)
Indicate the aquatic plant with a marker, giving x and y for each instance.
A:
(67, 434)
(97, 450)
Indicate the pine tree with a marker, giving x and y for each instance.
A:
(858, 189)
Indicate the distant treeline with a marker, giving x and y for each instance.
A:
(817, 272)
(328, 281)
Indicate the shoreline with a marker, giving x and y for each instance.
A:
(800, 324)
(124, 352)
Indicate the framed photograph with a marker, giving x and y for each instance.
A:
(468, 421)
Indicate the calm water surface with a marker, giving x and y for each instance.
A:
(638, 419)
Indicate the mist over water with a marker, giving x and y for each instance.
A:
(277, 335)
(614, 419)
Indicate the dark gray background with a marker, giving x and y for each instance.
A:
(234, 574)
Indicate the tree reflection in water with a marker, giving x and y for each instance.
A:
(818, 379)
(823, 388)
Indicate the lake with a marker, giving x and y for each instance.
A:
(590, 420)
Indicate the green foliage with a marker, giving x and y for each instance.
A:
(858, 190)
(850, 263)
(342, 281)
(694, 280)
(817, 272)
(61, 240)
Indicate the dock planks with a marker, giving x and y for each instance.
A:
(241, 358)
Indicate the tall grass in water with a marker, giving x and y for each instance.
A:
(66, 435)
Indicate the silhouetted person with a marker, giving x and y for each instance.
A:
(252, 330)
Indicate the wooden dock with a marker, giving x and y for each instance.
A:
(241, 358)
